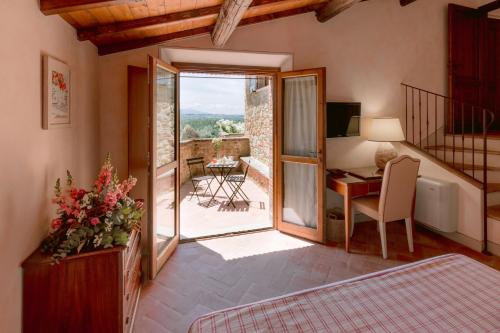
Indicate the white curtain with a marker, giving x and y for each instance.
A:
(299, 139)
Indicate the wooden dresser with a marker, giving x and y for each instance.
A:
(90, 292)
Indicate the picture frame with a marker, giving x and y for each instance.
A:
(56, 93)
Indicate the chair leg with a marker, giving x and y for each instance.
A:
(409, 232)
(195, 191)
(353, 214)
(243, 193)
(383, 239)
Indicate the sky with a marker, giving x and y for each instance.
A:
(218, 95)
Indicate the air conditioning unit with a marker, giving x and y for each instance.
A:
(436, 204)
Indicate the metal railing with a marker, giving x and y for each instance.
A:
(451, 131)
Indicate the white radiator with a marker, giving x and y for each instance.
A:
(436, 204)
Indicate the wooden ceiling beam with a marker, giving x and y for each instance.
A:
(138, 43)
(230, 15)
(494, 5)
(51, 7)
(95, 32)
(144, 23)
(333, 8)
(406, 2)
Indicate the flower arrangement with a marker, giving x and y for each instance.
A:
(217, 144)
(96, 219)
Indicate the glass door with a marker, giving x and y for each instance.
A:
(300, 159)
(163, 162)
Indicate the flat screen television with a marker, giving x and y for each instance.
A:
(342, 119)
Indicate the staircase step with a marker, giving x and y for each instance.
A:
(493, 187)
(468, 166)
(460, 149)
(494, 212)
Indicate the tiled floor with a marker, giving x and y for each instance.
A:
(219, 273)
(198, 220)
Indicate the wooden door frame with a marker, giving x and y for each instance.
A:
(155, 262)
(277, 163)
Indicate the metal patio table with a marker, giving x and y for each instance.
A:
(221, 170)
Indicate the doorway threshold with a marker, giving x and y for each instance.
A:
(228, 234)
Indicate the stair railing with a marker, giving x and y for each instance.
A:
(439, 126)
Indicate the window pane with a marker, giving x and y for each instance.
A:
(300, 194)
(165, 113)
(299, 116)
(165, 209)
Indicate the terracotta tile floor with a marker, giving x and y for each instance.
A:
(198, 220)
(214, 274)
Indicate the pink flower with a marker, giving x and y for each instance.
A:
(111, 199)
(95, 221)
(127, 185)
(77, 194)
(56, 223)
(104, 178)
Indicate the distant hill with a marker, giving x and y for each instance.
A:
(192, 111)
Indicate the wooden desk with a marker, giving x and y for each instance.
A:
(350, 187)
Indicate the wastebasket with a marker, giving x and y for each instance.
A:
(335, 225)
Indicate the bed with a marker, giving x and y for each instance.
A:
(449, 293)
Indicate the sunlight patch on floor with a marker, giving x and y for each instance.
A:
(249, 245)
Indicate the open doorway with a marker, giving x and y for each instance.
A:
(226, 153)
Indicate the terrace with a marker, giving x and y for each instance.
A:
(251, 147)
(202, 218)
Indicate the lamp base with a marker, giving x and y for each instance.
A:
(385, 152)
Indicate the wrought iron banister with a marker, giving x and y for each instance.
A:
(448, 126)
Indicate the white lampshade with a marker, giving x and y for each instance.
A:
(385, 130)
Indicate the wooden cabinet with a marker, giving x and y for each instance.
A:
(90, 292)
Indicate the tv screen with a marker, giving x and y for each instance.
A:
(342, 119)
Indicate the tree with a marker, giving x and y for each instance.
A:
(189, 133)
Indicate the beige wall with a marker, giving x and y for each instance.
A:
(32, 158)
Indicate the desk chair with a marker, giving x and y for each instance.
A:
(396, 199)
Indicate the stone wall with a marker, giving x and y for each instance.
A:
(165, 132)
(259, 123)
(231, 146)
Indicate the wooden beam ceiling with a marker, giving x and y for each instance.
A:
(489, 7)
(137, 43)
(333, 8)
(147, 22)
(406, 2)
(229, 17)
(95, 32)
(51, 7)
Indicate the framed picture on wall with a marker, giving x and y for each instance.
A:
(56, 93)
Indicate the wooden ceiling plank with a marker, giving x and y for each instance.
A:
(494, 5)
(146, 22)
(334, 7)
(406, 2)
(95, 32)
(121, 13)
(138, 43)
(230, 15)
(51, 7)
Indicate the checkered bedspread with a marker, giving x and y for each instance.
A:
(450, 293)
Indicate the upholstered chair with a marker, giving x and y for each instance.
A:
(396, 200)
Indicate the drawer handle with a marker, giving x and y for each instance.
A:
(128, 296)
(127, 320)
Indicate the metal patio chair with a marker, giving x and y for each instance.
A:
(235, 182)
(196, 178)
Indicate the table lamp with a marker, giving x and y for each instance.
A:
(385, 130)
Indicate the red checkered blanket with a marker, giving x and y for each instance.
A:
(450, 293)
